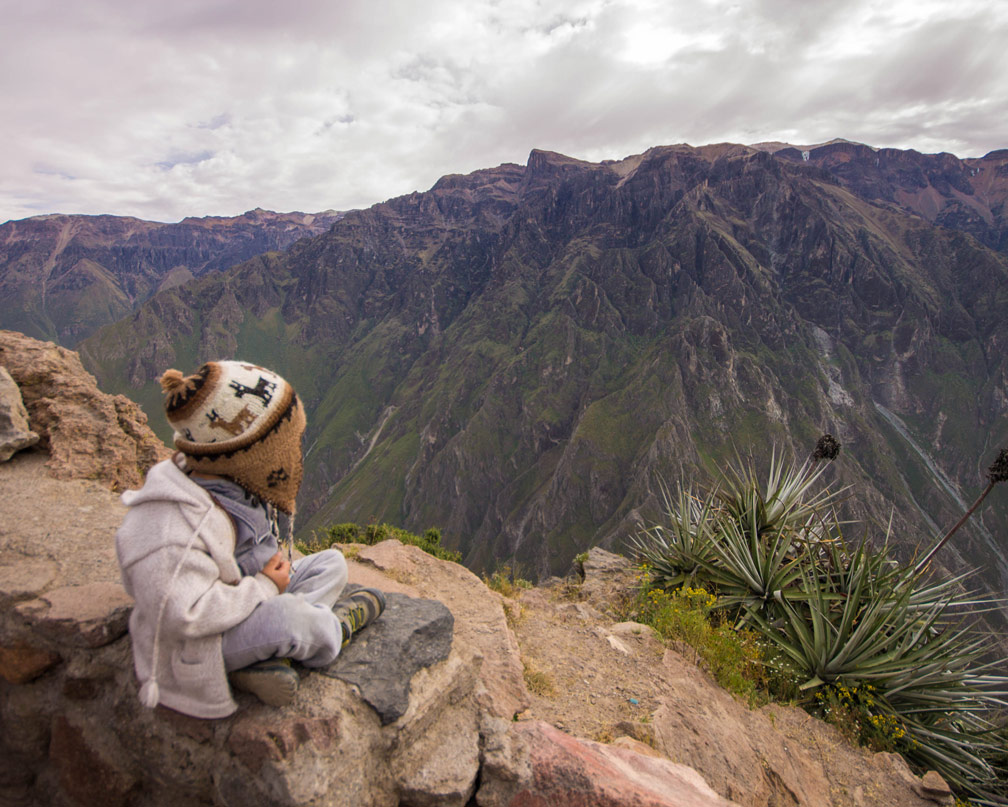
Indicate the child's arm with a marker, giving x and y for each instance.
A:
(201, 604)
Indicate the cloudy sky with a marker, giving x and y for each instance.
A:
(213, 107)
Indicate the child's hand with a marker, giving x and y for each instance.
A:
(278, 570)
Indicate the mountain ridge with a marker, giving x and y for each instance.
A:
(63, 276)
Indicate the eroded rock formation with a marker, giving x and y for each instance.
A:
(15, 434)
(87, 433)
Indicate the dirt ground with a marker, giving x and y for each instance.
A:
(598, 678)
(586, 674)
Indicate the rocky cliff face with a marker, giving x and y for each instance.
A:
(519, 354)
(62, 277)
(967, 195)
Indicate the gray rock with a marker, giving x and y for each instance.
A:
(608, 579)
(381, 661)
(439, 769)
(14, 432)
(602, 564)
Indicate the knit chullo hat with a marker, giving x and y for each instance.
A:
(240, 421)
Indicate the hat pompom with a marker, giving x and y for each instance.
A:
(171, 380)
(150, 693)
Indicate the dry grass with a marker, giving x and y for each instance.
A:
(538, 682)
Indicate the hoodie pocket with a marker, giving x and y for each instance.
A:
(192, 660)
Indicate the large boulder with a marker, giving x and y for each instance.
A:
(88, 434)
(609, 579)
(536, 765)
(480, 622)
(14, 431)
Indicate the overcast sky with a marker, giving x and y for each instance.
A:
(213, 107)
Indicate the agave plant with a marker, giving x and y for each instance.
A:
(776, 556)
(861, 619)
(749, 570)
(864, 620)
(787, 503)
(678, 550)
(742, 539)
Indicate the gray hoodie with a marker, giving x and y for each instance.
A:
(176, 553)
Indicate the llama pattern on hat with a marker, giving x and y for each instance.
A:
(239, 423)
(263, 389)
(232, 400)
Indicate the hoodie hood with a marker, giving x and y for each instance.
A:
(167, 484)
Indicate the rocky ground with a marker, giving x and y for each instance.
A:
(600, 678)
(550, 659)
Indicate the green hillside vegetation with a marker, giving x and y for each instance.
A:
(369, 535)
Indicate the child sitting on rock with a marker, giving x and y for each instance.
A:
(214, 598)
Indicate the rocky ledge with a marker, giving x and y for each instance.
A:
(440, 731)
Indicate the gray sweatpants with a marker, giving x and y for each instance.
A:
(297, 624)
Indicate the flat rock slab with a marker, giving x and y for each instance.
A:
(92, 615)
(535, 764)
(381, 661)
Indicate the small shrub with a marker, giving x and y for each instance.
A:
(538, 682)
(505, 581)
(855, 711)
(429, 541)
(733, 658)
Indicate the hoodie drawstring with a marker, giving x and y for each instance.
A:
(150, 693)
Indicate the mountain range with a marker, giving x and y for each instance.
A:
(519, 355)
(63, 277)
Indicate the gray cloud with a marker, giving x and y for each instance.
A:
(218, 106)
